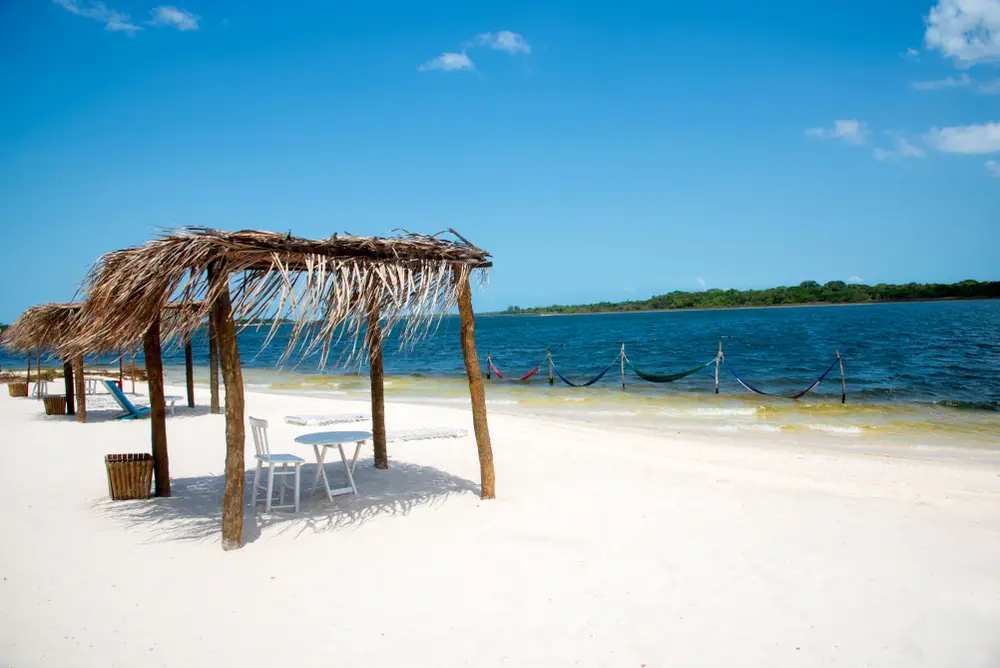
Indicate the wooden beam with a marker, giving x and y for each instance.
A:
(38, 376)
(81, 389)
(213, 362)
(70, 388)
(27, 376)
(374, 336)
(232, 375)
(121, 369)
(476, 391)
(157, 410)
(189, 371)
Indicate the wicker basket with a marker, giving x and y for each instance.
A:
(55, 405)
(129, 476)
(17, 389)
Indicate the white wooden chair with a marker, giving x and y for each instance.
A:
(264, 458)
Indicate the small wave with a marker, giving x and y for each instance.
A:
(834, 429)
(722, 412)
(613, 413)
(991, 406)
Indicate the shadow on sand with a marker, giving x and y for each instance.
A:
(194, 512)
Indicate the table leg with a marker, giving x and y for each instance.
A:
(321, 471)
(347, 467)
(354, 462)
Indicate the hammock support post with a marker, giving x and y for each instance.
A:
(843, 380)
(622, 357)
(548, 357)
(489, 363)
(717, 360)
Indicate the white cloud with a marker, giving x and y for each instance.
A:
(966, 30)
(972, 139)
(989, 87)
(855, 279)
(166, 15)
(910, 54)
(505, 40)
(993, 167)
(449, 62)
(98, 11)
(853, 132)
(947, 82)
(701, 282)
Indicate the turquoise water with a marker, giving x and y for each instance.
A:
(926, 368)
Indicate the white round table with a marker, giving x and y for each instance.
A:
(323, 440)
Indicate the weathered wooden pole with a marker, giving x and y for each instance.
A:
(476, 391)
(232, 376)
(81, 389)
(548, 356)
(489, 366)
(157, 409)
(374, 335)
(843, 380)
(133, 372)
(623, 365)
(189, 371)
(68, 384)
(38, 373)
(718, 359)
(27, 375)
(213, 362)
(121, 369)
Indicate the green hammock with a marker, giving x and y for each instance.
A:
(669, 377)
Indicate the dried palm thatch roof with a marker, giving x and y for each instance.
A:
(325, 287)
(52, 326)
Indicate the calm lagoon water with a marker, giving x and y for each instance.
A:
(927, 369)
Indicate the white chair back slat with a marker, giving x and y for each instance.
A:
(258, 428)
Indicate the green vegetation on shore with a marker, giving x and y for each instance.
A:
(807, 292)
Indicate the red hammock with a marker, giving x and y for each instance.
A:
(524, 377)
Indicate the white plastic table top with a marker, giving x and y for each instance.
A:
(333, 437)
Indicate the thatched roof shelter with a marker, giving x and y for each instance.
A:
(51, 327)
(345, 289)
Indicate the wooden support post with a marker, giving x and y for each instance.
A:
(718, 359)
(133, 372)
(81, 389)
(121, 369)
(375, 369)
(232, 376)
(38, 376)
(489, 366)
(623, 366)
(843, 380)
(70, 388)
(157, 409)
(27, 376)
(477, 393)
(548, 356)
(213, 362)
(189, 371)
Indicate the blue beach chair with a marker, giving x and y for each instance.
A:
(131, 412)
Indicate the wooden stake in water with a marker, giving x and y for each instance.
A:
(548, 356)
(489, 365)
(843, 380)
(718, 359)
(622, 356)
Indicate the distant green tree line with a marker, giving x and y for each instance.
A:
(806, 292)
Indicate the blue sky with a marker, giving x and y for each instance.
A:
(598, 150)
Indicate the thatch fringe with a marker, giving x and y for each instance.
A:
(324, 287)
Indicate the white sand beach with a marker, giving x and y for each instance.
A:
(605, 547)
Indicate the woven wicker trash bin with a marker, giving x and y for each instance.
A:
(17, 389)
(55, 405)
(130, 476)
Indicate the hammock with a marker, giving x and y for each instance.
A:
(667, 377)
(524, 377)
(804, 392)
(589, 382)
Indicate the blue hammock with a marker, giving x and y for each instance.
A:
(801, 394)
(589, 382)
